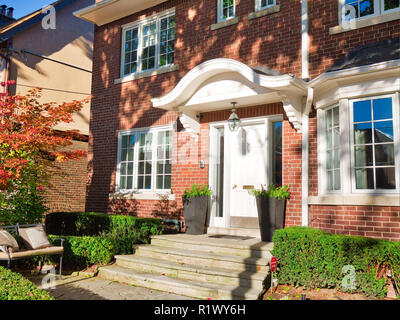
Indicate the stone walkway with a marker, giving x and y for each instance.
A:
(77, 287)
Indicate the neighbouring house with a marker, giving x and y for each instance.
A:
(58, 60)
(316, 86)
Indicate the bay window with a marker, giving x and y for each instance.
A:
(360, 147)
(144, 160)
(148, 44)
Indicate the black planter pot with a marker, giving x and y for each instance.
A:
(195, 211)
(271, 214)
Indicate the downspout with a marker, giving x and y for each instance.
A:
(306, 112)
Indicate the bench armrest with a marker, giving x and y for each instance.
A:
(7, 246)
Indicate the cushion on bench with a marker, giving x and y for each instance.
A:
(7, 239)
(34, 237)
(32, 253)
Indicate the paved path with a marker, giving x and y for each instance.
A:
(83, 288)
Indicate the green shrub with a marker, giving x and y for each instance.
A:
(14, 286)
(94, 224)
(315, 259)
(196, 191)
(274, 191)
(22, 203)
(85, 251)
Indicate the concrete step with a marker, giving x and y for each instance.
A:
(200, 273)
(188, 288)
(202, 258)
(236, 246)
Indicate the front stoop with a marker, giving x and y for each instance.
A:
(203, 267)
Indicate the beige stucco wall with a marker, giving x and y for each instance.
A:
(71, 42)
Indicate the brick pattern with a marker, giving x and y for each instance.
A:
(67, 189)
(272, 41)
(326, 48)
(375, 222)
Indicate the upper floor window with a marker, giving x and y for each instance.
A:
(226, 10)
(262, 4)
(359, 9)
(145, 160)
(149, 44)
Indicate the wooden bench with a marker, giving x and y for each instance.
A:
(25, 253)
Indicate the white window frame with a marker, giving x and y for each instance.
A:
(154, 131)
(220, 11)
(259, 7)
(139, 25)
(378, 6)
(324, 150)
(395, 114)
(382, 3)
(347, 168)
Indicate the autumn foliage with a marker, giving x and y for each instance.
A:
(28, 140)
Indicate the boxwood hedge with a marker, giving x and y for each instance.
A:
(315, 259)
(14, 286)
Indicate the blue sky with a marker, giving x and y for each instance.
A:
(23, 7)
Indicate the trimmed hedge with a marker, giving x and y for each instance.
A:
(93, 224)
(14, 286)
(85, 251)
(315, 259)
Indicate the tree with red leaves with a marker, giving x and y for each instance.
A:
(29, 143)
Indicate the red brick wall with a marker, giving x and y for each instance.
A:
(326, 48)
(67, 189)
(267, 41)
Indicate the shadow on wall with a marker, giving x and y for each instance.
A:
(252, 42)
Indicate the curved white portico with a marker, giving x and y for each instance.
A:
(212, 85)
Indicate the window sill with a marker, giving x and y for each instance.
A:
(355, 200)
(264, 12)
(366, 22)
(145, 74)
(142, 196)
(225, 23)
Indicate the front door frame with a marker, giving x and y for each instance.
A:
(268, 120)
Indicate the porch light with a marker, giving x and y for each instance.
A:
(234, 121)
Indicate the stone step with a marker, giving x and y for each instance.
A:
(200, 273)
(188, 288)
(236, 246)
(203, 258)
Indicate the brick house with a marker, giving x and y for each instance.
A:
(315, 83)
(60, 62)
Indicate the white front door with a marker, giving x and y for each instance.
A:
(240, 161)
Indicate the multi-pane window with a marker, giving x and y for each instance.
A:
(332, 134)
(358, 9)
(226, 9)
(167, 40)
(145, 160)
(149, 45)
(164, 149)
(262, 4)
(126, 162)
(373, 144)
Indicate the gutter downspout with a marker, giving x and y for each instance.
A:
(305, 160)
(306, 112)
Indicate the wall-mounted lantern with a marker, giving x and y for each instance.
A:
(234, 121)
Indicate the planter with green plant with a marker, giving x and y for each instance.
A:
(195, 205)
(271, 209)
